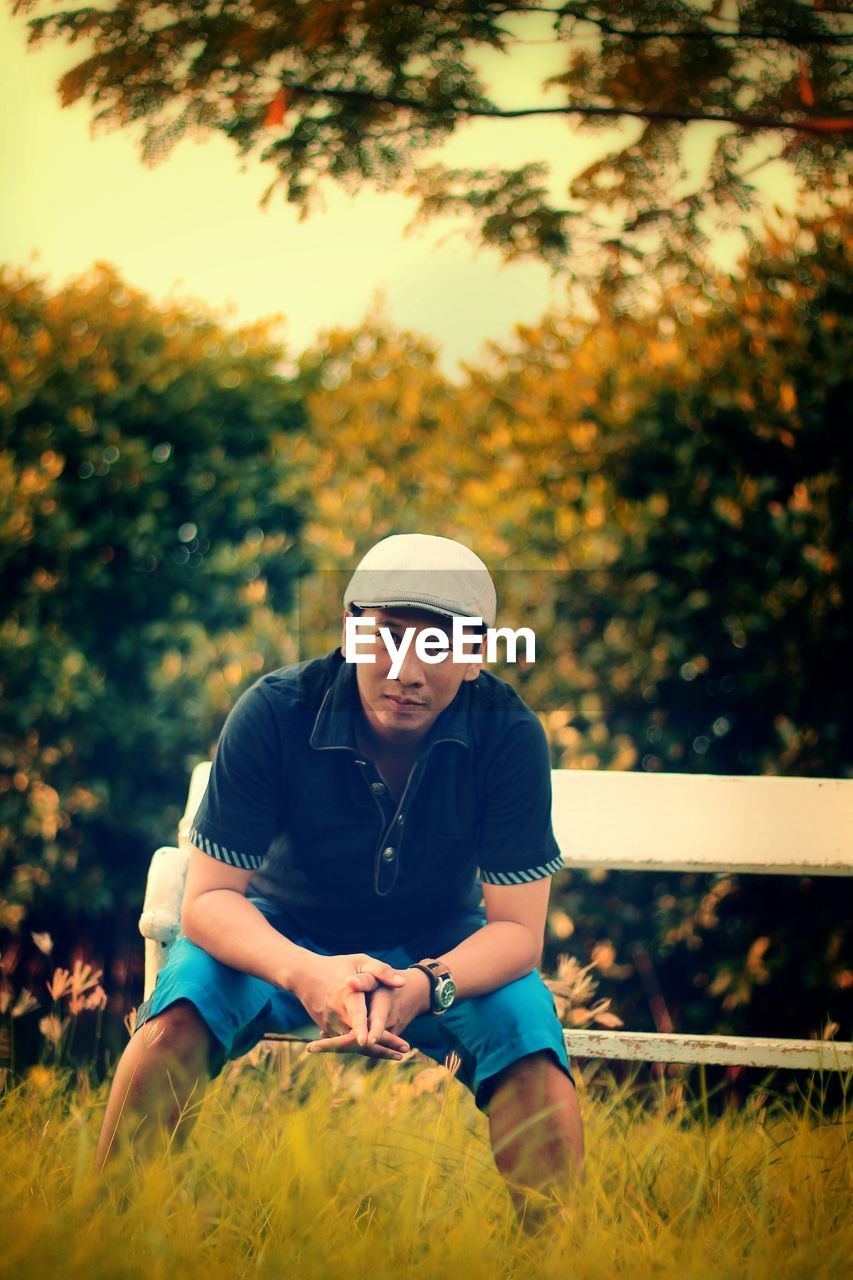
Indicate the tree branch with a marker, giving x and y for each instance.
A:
(790, 35)
(817, 125)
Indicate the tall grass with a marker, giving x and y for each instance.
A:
(305, 1167)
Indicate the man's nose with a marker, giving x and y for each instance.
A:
(412, 669)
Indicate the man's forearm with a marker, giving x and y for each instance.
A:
(497, 954)
(233, 931)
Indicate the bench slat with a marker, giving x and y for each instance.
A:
(746, 1051)
(703, 822)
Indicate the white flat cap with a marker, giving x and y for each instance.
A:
(421, 570)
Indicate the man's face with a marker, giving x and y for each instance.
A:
(401, 710)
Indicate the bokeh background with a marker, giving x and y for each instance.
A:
(610, 351)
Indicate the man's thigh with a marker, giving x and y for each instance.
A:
(237, 1007)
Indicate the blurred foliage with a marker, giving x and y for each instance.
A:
(366, 90)
(686, 474)
(147, 512)
(665, 496)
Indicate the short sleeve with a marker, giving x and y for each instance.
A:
(517, 842)
(240, 811)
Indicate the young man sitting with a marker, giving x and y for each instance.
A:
(374, 853)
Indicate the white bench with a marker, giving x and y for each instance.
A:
(638, 822)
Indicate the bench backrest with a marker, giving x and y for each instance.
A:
(687, 821)
(703, 822)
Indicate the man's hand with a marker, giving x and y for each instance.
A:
(390, 1010)
(332, 990)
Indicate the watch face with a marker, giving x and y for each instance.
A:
(445, 993)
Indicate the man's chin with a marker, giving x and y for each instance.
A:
(404, 723)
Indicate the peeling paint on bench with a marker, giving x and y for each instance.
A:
(746, 1051)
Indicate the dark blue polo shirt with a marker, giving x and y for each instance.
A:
(292, 798)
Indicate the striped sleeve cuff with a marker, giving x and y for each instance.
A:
(523, 877)
(248, 861)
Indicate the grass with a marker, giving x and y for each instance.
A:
(306, 1168)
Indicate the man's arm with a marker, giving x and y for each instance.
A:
(218, 917)
(518, 854)
(509, 946)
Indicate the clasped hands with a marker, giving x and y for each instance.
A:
(361, 1004)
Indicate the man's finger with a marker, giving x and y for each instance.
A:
(356, 1008)
(384, 972)
(391, 1041)
(392, 1046)
(377, 1016)
(362, 982)
(345, 1043)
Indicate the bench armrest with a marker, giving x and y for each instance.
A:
(164, 893)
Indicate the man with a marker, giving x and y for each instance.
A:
(357, 814)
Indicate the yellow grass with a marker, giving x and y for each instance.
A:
(307, 1168)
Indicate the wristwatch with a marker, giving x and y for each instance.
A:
(442, 986)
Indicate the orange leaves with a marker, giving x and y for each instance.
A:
(572, 989)
(838, 124)
(81, 988)
(755, 960)
(805, 89)
(787, 397)
(805, 85)
(276, 109)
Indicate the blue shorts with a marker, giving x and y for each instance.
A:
(489, 1032)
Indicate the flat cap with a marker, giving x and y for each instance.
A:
(423, 571)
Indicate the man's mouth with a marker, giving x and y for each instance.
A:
(403, 702)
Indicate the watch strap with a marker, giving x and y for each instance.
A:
(434, 970)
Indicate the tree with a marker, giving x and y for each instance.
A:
(147, 510)
(357, 90)
(689, 474)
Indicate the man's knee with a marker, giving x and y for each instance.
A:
(179, 1034)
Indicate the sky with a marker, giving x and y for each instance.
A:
(191, 227)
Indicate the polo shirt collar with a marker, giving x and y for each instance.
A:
(334, 725)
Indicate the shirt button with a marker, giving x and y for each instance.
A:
(388, 854)
(400, 820)
(378, 787)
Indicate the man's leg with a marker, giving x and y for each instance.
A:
(200, 1014)
(512, 1045)
(537, 1134)
(163, 1071)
